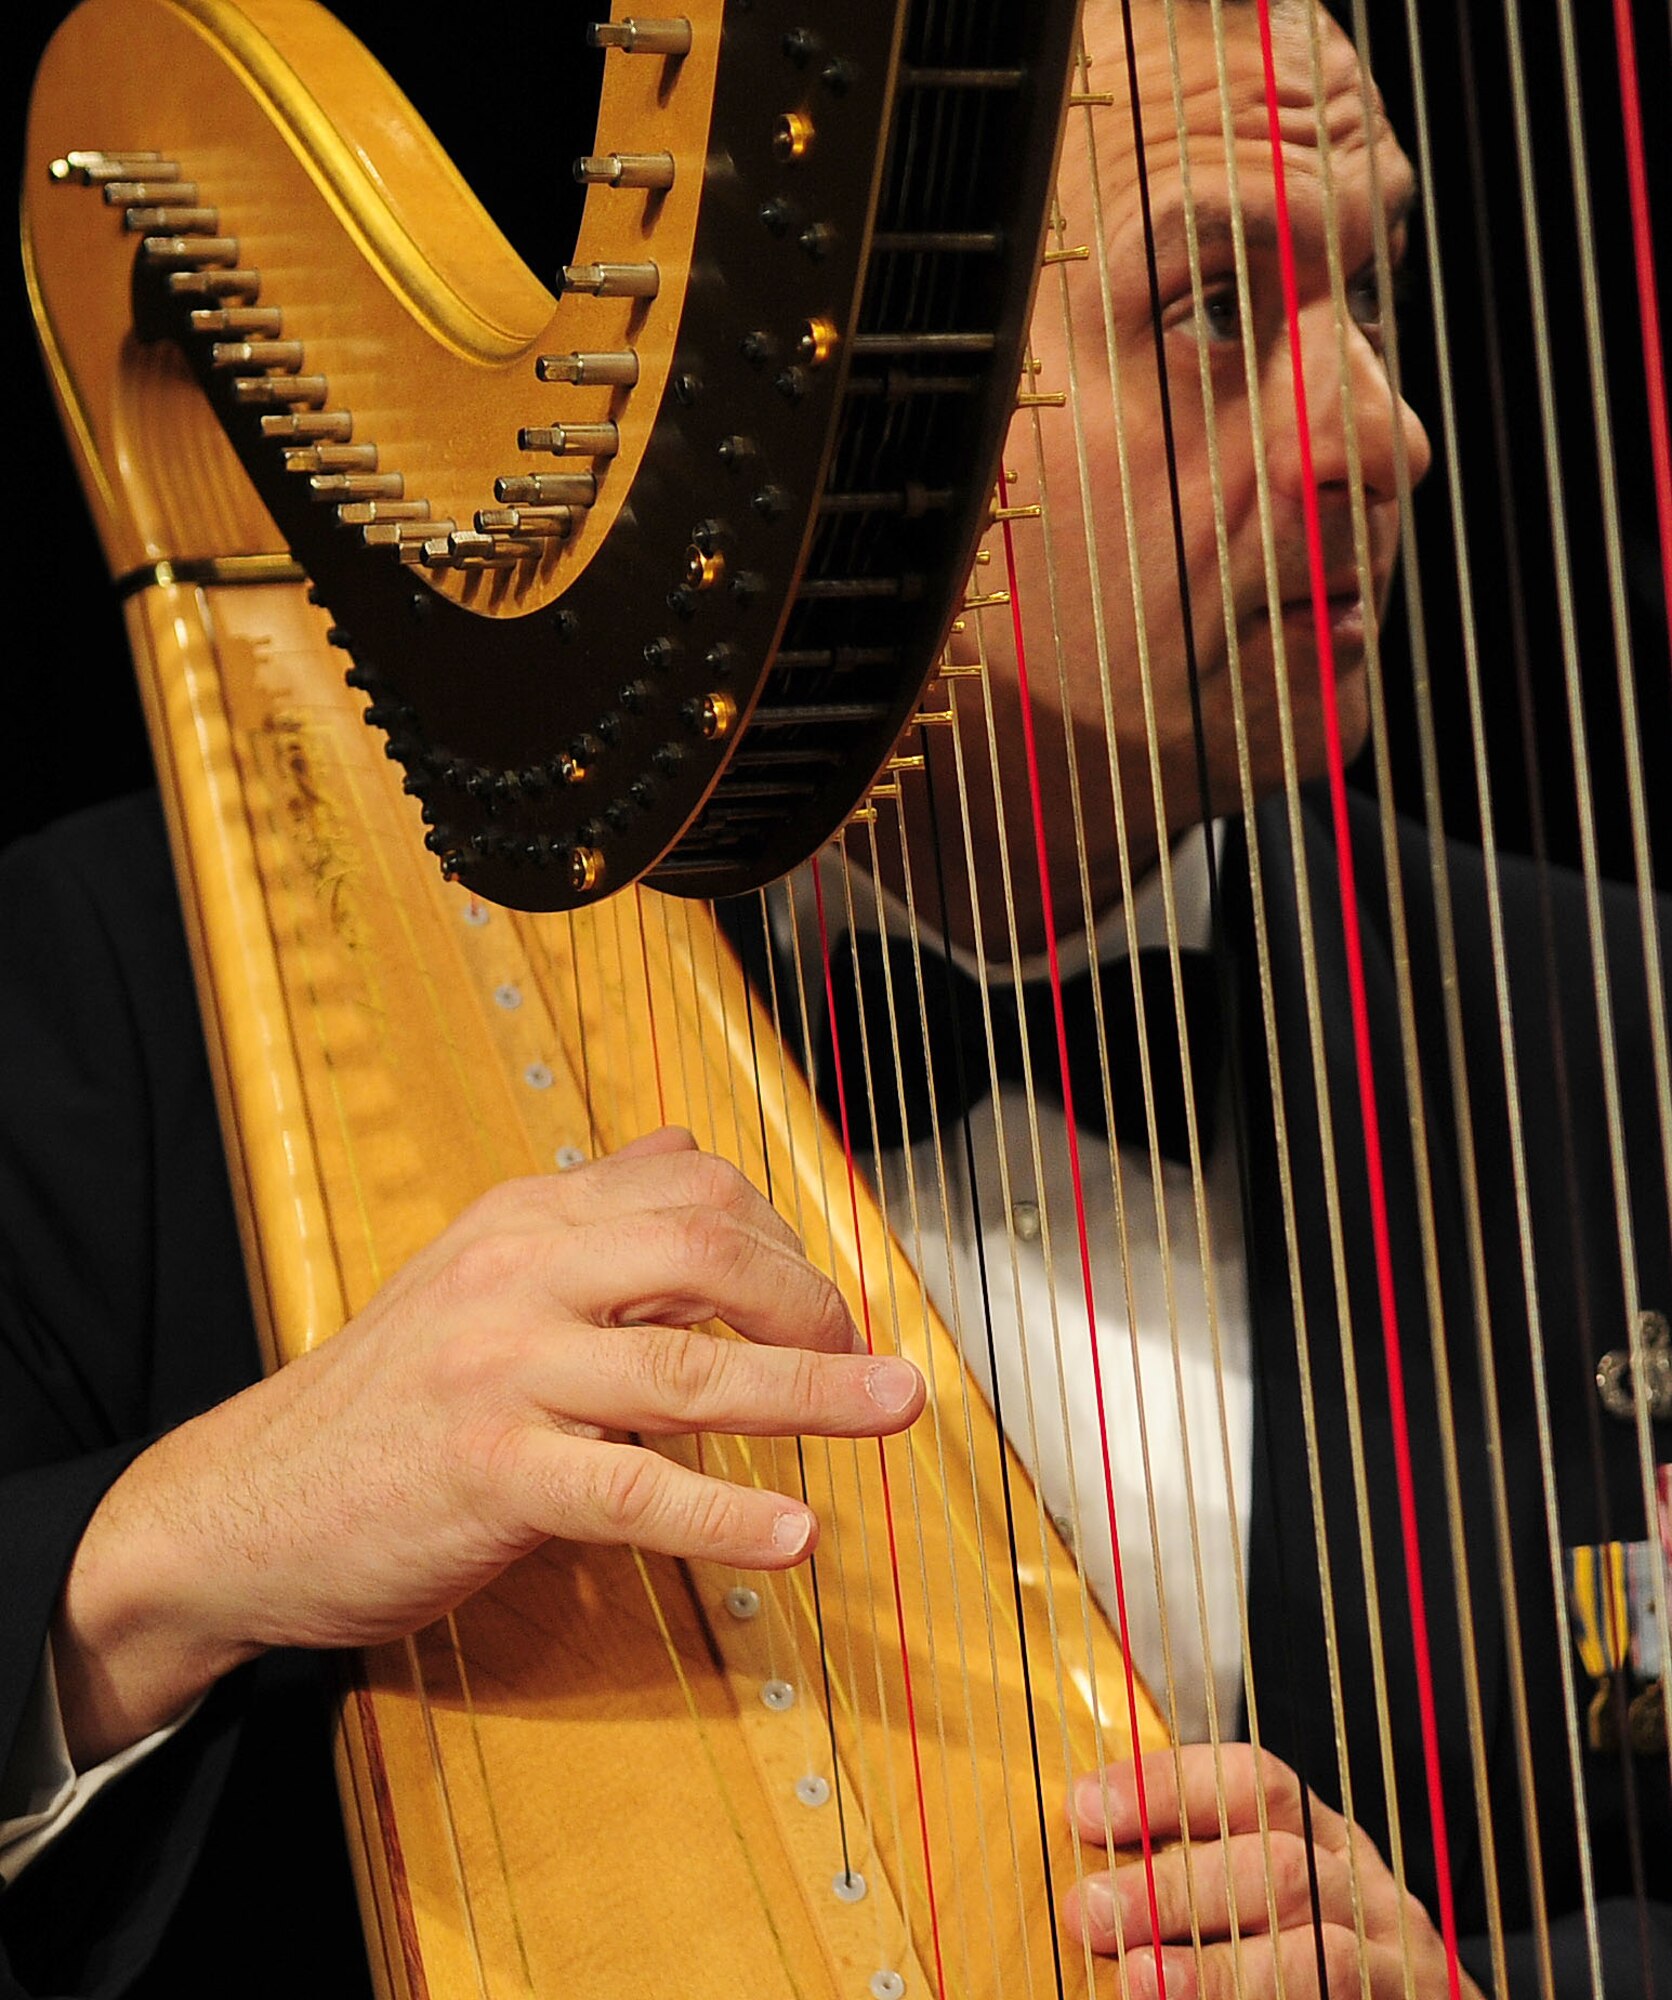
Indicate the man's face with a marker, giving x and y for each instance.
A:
(1094, 616)
(1105, 631)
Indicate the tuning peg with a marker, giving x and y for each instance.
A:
(588, 370)
(641, 38)
(571, 440)
(613, 281)
(625, 170)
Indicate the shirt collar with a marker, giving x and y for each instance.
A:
(1140, 925)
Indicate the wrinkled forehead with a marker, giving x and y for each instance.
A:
(1202, 96)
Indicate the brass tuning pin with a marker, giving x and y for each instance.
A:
(641, 38)
(625, 170)
(613, 281)
(613, 370)
(571, 440)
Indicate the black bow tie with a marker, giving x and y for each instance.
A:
(955, 1036)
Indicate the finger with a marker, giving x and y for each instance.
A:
(587, 1491)
(1261, 1968)
(657, 1170)
(662, 1380)
(686, 1265)
(1128, 1799)
(1214, 1888)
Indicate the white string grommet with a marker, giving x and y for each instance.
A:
(742, 1602)
(887, 1985)
(476, 914)
(813, 1790)
(849, 1887)
(570, 1156)
(507, 996)
(778, 1695)
(538, 1076)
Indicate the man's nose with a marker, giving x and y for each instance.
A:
(1349, 400)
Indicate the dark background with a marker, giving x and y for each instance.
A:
(513, 108)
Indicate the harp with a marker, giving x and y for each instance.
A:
(698, 497)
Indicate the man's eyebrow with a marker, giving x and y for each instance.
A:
(1216, 221)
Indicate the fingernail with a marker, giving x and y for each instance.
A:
(892, 1385)
(1097, 1899)
(792, 1531)
(1140, 1974)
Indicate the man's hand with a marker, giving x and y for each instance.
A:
(1235, 1869)
(475, 1408)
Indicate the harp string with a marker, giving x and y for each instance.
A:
(1422, 1165)
(873, 1623)
(983, 1289)
(1309, 970)
(866, 1786)
(1076, 408)
(1456, 1055)
(1083, 1245)
(1217, 499)
(956, 1317)
(1590, 871)
(949, 1894)
(915, 1248)
(1653, 974)
(766, 982)
(888, 1506)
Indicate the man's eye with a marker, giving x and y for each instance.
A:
(1368, 302)
(1218, 320)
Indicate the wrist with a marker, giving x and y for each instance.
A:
(134, 1643)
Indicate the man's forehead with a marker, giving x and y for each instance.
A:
(1200, 71)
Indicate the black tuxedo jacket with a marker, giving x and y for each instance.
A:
(123, 1311)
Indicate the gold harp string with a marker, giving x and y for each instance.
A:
(1439, 1340)
(807, 1595)
(1318, 1064)
(1576, 724)
(798, 1221)
(1124, 860)
(1164, 876)
(802, 953)
(812, 1598)
(1042, 859)
(914, 1246)
(1220, 539)
(1654, 978)
(1457, 1056)
(868, 1070)
(955, 1318)
(1001, 1155)
(965, 1340)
